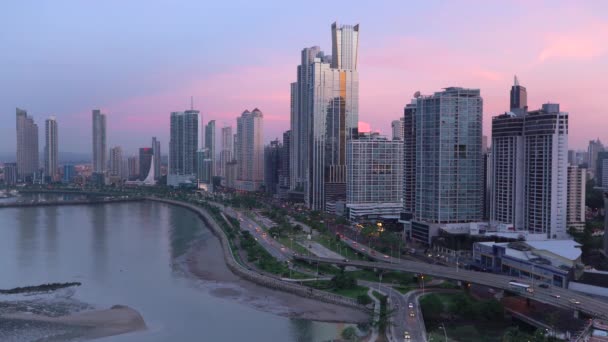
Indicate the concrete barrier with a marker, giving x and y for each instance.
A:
(255, 277)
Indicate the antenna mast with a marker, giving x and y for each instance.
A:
(191, 102)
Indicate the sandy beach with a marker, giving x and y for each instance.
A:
(205, 262)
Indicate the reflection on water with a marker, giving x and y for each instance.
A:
(133, 254)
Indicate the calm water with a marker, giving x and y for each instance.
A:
(129, 253)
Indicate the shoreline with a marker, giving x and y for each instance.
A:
(205, 264)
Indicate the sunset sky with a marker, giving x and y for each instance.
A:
(140, 60)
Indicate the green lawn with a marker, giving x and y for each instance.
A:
(326, 286)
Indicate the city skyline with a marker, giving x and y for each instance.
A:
(561, 64)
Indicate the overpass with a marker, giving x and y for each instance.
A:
(553, 295)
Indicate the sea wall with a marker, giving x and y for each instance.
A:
(256, 277)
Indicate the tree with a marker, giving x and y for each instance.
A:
(349, 334)
(432, 306)
(363, 299)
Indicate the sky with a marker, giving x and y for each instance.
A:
(140, 60)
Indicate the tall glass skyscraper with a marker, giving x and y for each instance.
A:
(210, 147)
(183, 143)
(99, 141)
(51, 149)
(27, 145)
(449, 165)
(157, 161)
(250, 150)
(329, 90)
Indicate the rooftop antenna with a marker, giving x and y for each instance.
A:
(191, 102)
(516, 81)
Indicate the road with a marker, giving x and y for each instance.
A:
(590, 306)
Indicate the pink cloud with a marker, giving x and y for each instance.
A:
(364, 126)
(582, 44)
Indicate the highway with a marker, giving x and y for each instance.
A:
(553, 295)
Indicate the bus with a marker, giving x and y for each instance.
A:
(521, 286)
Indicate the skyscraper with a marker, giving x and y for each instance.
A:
(519, 98)
(284, 173)
(529, 163)
(183, 143)
(27, 145)
(272, 166)
(301, 113)
(51, 149)
(595, 147)
(332, 100)
(250, 150)
(99, 141)
(116, 162)
(374, 177)
(575, 216)
(397, 128)
(447, 161)
(133, 167)
(145, 162)
(210, 147)
(226, 149)
(157, 161)
(10, 174)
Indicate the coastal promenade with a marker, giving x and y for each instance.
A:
(253, 276)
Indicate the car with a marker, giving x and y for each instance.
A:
(406, 335)
(544, 286)
(385, 256)
(346, 260)
(556, 295)
(373, 252)
(410, 305)
(363, 249)
(575, 301)
(412, 314)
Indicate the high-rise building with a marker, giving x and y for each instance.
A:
(601, 172)
(226, 149)
(10, 173)
(116, 162)
(133, 167)
(99, 141)
(374, 177)
(183, 143)
(301, 114)
(231, 172)
(529, 163)
(203, 166)
(272, 166)
(284, 173)
(157, 160)
(27, 146)
(448, 178)
(331, 101)
(575, 215)
(210, 147)
(397, 128)
(250, 150)
(519, 98)
(572, 157)
(51, 149)
(409, 161)
(595, 147)
(69, 172)
(145, 162)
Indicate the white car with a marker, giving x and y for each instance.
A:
(556, 296)
(410, 305)
(406, 335)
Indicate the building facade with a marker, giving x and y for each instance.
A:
(157, 158)
(69, 172)
(575, 215)
(595, 147)
(51, 149)
(250, 150)
(27, 146)
(226, 149)
(397, 129)
(183, 144)
(116, 162)
(284, 173)
(133, 167)
(210, 147)
(145, 162)
(374, 187)
(272, 166)
(333, 100)
(99, 141)
(10, 174)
